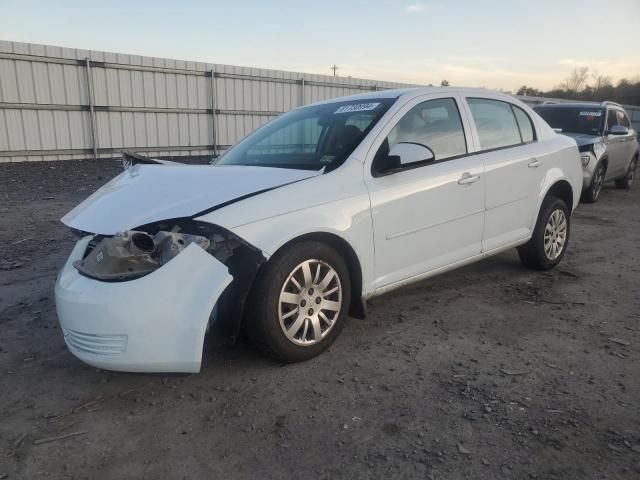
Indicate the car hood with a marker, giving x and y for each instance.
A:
(582, 138)
(144, 194)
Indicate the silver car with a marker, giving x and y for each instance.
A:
(606, 139)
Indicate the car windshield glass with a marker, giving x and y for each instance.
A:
(309, 138)
(587, 120)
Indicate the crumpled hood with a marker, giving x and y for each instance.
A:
(149, 193)
(582, 138)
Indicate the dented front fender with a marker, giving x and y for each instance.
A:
(155, 323)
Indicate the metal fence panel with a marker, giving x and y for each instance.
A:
(53, 105)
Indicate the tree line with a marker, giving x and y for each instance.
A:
(584, 84)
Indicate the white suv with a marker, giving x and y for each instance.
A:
(297, 225)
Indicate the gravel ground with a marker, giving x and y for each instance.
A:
(492, 371)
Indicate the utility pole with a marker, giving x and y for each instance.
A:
(334, 68)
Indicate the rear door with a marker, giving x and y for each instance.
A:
(514, 164)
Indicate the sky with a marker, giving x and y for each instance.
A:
(496, 44)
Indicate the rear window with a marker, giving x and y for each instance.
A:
(586, 120)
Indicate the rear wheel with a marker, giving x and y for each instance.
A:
(550, 238)
(626, 182)
(299, 303)
(593, 192)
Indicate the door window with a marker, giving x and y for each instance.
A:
(622, 119)
(495, 122)
(435, 124)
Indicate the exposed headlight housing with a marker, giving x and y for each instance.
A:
(133, 254)
(585, 158)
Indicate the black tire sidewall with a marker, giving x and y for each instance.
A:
(591, 196)
(263, 324)
(627, 179)
(549, 205)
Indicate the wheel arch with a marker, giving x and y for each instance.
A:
(357, 307)
(561, 189)
(556, 184)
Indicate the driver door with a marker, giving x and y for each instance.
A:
(430, 214)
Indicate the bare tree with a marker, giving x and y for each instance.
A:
(600, 81)
(576, 80)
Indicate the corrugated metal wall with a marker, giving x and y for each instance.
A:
(63, 103)
(52, 102)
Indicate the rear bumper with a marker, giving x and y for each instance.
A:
(155, 323)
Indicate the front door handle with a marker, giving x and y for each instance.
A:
(534, 163)
(468, 179)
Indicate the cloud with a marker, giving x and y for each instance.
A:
(417, 8)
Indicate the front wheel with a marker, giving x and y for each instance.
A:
(550, 238)
(593, 192)
(299, 302)
(626, 182)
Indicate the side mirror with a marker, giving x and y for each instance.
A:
(618, 130)
(412, 153)
(405, 155)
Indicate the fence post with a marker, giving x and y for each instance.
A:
(302, 90)
(92, 118)
(214, 132)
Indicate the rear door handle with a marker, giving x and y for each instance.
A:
(534, 163)
(468, 179)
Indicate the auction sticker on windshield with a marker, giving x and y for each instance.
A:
(357, 107)
(591, 114)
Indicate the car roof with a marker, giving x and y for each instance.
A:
(417, 91)
(571, 105)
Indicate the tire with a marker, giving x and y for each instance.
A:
(626, 181)
(271, 309)
(591, 194)
(535, 253)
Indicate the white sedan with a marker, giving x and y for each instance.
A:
(296, 226)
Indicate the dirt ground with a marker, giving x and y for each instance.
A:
(492, 371)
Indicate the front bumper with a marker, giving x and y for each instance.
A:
(155, 323)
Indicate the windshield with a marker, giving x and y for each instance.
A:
(585, 120)
(309, 138)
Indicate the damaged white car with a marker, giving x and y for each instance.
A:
(291, 230)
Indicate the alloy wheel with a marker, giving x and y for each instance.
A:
(555, 234)
(310, 302)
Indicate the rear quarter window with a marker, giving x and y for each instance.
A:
(525, 124)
